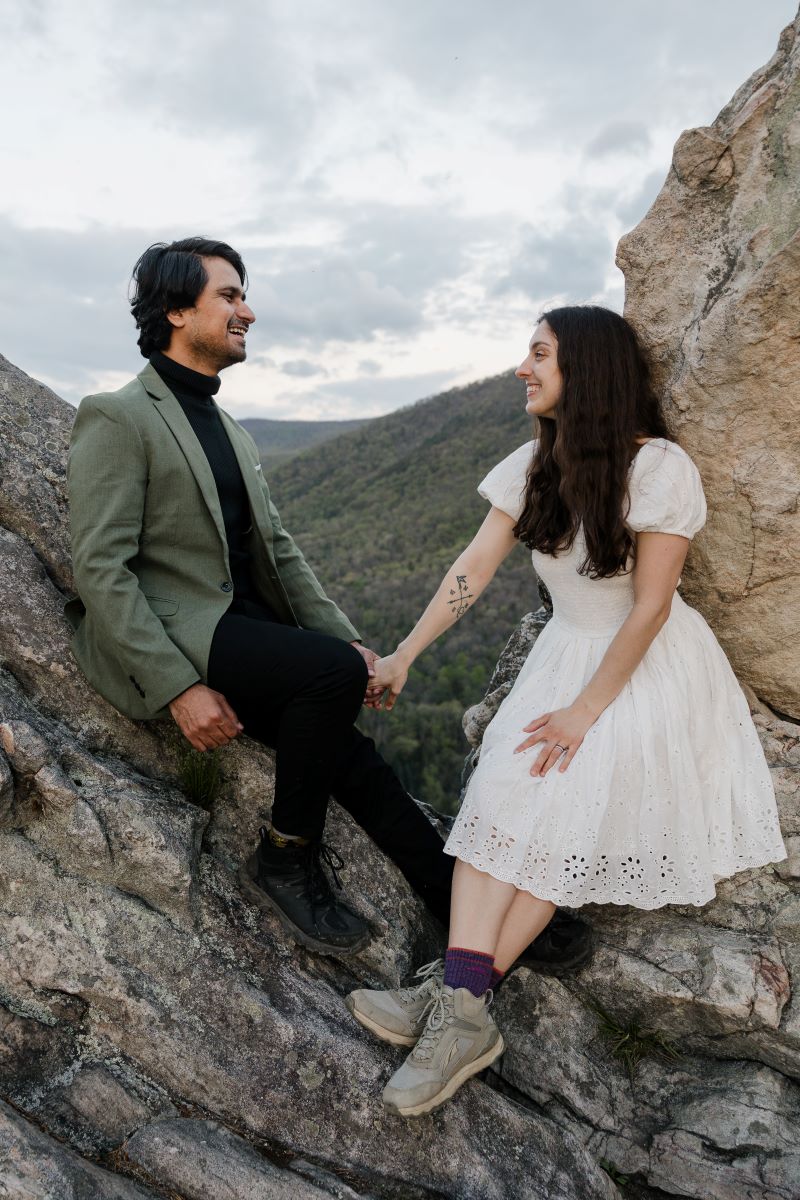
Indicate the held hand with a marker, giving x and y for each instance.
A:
(560, 735)
(391, 674)
(372, 697)
(369, 656)
(205, 718)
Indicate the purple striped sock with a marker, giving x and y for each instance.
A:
(497, 978)
(468, 969)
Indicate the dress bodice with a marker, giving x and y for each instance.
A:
(590, 607)
(665, 495)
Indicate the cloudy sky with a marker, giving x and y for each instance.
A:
(408, 183)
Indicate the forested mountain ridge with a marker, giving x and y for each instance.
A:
(278, 441)
(380, 513)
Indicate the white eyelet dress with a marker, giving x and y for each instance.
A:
(670, 790)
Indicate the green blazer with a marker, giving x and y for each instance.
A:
(149, 550)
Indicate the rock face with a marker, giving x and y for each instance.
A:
(159, 1036)
(712, 279)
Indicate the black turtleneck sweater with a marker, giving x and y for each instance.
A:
(195, 394)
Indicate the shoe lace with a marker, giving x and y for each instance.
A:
(439, 1008)
(319, 888)
(425, 976)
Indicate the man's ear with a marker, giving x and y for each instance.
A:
(177, 317)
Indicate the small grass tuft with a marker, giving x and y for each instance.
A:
(201, 777)
(630, 1043)
(614, 1172)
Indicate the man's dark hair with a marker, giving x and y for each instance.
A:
(170, 276)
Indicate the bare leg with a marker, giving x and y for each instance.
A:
(524, 920)
(478, 908)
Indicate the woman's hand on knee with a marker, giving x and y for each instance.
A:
(559, 736)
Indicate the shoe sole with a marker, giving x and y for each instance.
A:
(451, 1087)
(386, 1035)
(247, 878)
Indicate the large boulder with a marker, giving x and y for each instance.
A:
(712, 283)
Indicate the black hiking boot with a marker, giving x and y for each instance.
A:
(291, 882)
(563, 946)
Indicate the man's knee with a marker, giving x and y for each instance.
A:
(344, 668)
(356, 667)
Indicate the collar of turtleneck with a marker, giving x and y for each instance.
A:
(184, 377)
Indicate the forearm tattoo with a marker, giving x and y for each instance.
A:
(461, 597)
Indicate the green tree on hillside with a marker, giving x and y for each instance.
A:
(380, 513)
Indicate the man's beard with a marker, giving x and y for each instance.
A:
(218, 351)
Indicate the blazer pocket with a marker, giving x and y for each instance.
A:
(161, 606)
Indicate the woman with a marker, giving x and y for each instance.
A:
(623, 767)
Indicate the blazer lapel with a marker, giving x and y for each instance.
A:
(251, 472)
(185, 436)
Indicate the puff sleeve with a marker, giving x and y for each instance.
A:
(504, 486)
(666, 494)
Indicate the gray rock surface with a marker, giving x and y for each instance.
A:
(34, 1166)
(711, 283)
(151, 1018)
(159, 1036)
(691, 1127)
(205, 1161)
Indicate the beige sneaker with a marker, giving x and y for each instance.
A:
(398, 1016)
(459, 1040)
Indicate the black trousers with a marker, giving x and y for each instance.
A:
(300, 692)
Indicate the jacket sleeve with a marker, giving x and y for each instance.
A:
(107, 477)
(314, 610)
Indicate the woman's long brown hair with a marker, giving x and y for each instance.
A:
(579, 473)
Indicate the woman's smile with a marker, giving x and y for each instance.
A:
(540, 373)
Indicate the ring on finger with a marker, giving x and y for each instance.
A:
(563, 749)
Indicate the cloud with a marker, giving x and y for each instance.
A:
(632, 210)
(326, 298)
(64, 312)
(570, 264)
(619, 137)
(301, 368)
(359, 397)
(406, 182)
(375, 274)
(65, 316)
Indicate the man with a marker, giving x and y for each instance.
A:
(194, 600)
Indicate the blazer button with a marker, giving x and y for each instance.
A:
(226, 586)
